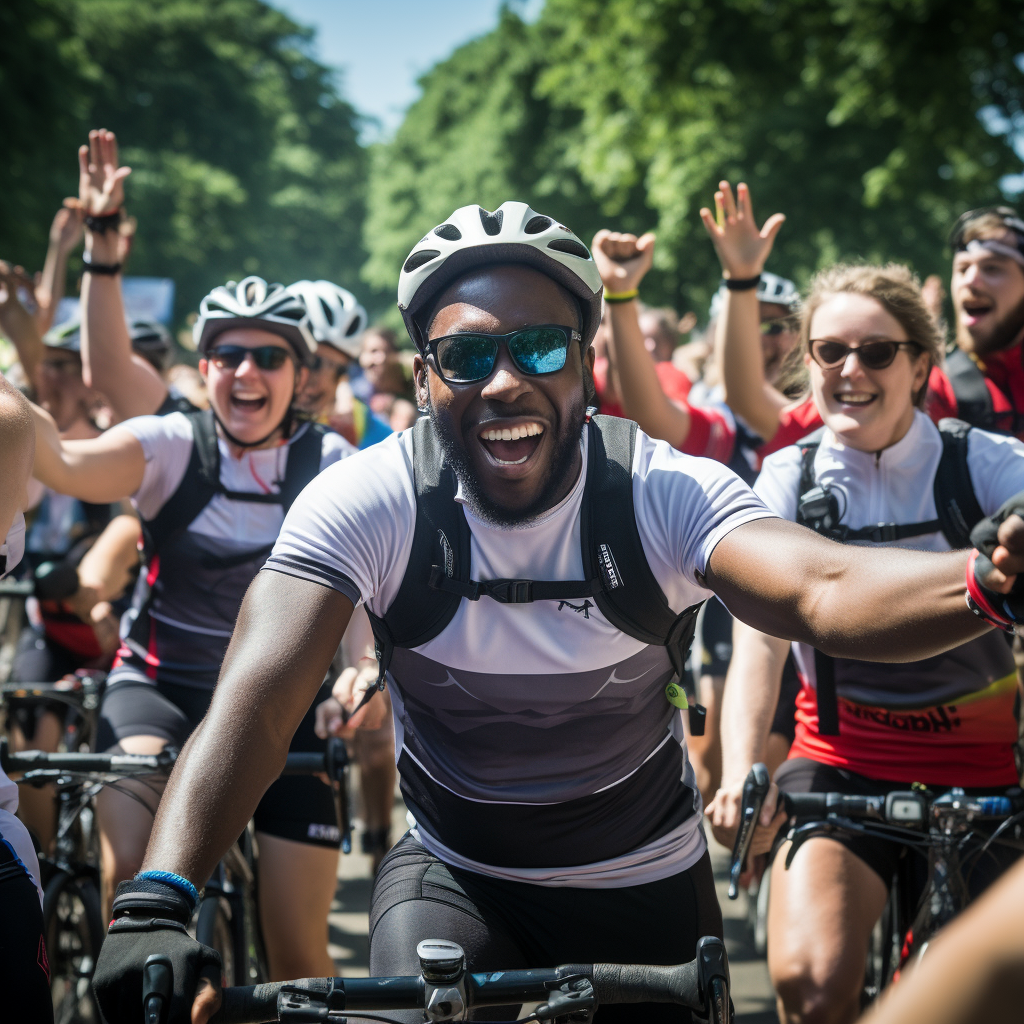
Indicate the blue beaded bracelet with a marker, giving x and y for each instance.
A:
(183, 885)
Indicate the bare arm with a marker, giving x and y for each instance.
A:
(974, 970)
(105, 570)
(100, 470)
(18, 325)
(891, 604)
(17, 444)
(623, 260)
(743, 250)
(65, 234)
(286, 635)
(130, 384)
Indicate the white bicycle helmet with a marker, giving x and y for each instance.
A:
(473, 237)
(772, 288)
(254, 303)
(335, 317)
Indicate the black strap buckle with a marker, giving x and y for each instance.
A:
(510, 591)
(883, 533)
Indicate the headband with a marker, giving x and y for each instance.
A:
(978, 245)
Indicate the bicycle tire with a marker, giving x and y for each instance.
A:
(73, 926)
(215, 928)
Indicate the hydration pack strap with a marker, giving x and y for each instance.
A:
(507, 591)
(882, 532)
(828, 704)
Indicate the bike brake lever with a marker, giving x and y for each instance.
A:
(755, 789)
(157, 984)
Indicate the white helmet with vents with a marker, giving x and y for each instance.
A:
(254, 303)
(335, 317)
(771, 288)
(473, 237)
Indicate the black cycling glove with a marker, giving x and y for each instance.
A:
(985, 538)
(150, 917)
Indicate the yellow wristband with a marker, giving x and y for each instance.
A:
(621, 296)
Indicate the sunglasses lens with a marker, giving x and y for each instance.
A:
(877, 355)
(228, 357)
(830, 353)
(772, 328)
(266, 357)
(539, 349)
(466, 357)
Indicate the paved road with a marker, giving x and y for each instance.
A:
(350, 947)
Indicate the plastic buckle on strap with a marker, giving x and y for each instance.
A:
(512, 591)
(884, 532)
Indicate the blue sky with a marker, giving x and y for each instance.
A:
(382, 46)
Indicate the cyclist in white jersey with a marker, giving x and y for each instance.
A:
(556, 817)
(211, 490)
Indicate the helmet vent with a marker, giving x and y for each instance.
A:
(449, 232)
(536, 225)
(417, 259)
(491, 221)
(355, 327)
(571, 246)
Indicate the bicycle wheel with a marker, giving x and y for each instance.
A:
(214, 928)
(73, 927)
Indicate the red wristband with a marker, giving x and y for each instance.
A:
(977, 594)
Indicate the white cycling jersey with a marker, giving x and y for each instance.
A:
(535, 741)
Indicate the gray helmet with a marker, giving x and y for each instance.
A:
(254, 303)
(67, 336)
(335, 316)
(152, 341)
(473, 237)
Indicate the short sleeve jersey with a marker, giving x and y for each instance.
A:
(535, 741)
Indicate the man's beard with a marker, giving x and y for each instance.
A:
(567, 448)
(1006, 331)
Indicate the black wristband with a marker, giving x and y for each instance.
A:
(104, 223)
(152, 898)
(741, 284)
(110, 269)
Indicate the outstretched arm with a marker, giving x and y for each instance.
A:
(17, 443)
(623, 260)
(100, 470)
(65, 234)
(890, 604)
(743, 250)
(17, 323)
(130, 384)
(286, 635)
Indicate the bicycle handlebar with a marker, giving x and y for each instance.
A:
(755, 789)
(905, 808)
(701, 985)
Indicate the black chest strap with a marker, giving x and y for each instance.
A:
(957, 511)
(974, 400)
(201, 481)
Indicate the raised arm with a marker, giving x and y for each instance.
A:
(623, 260)
(65, 234)
(100, 470)
(743, 250)
(286, 635)
(17, 323)
(17, 444)
(130, 384)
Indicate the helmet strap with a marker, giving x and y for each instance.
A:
(285, 426)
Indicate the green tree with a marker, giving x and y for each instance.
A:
(245, 157)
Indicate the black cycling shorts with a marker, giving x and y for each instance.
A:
(802, 775)
(296, 807)
(505, 925)
(24, 966)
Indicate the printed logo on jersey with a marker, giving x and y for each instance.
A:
(943, 718)
(610, 571)
(584, 608)
(331, 833)
(448, 554)
(41, 958)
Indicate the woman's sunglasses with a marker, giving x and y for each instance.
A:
(467, 358)
(873, 355)
(265, 357)
(771, 328)
(317, 363)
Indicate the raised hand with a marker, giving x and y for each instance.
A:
(66, 229)
(741, 247)
(100, 178)
(622, 259)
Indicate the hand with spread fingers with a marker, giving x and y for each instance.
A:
(338, 715)
(622, 259)
(742, 247)
(100, 177)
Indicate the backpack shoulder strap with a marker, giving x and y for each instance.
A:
(973, 401)
(304, 455)
(956, 502)
(441, 538)
(631, 597)
(808, 450)
(198, 486)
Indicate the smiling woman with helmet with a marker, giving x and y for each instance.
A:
(212, 489)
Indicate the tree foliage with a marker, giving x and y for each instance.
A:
(245, 157)
(857, 118)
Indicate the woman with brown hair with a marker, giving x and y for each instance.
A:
(878, 472)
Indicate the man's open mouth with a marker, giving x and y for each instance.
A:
(512, 446)
(972, 310)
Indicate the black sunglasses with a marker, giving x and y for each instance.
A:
(265, 357)
(317, 363)
(873, 355)
(774, 327)
(467, 358)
